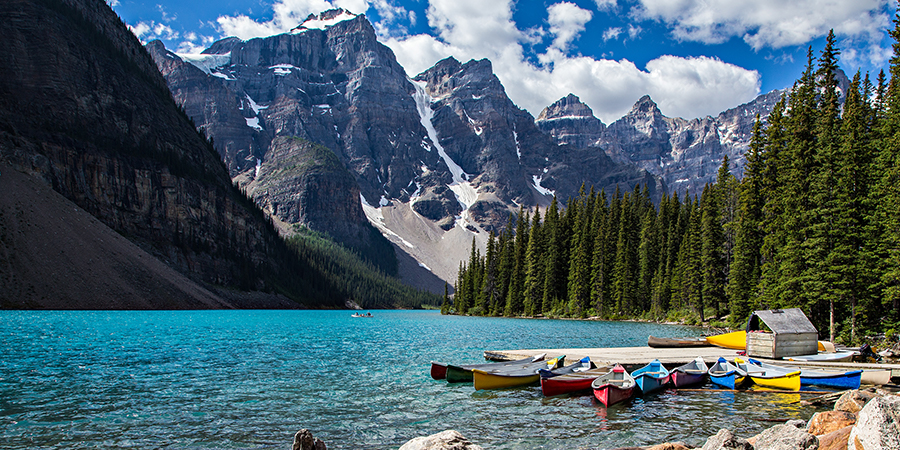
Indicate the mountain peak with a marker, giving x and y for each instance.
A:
(569, 106)
(645, 105)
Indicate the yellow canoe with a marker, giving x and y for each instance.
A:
(736, 340)
(770, 376)
(502, 379)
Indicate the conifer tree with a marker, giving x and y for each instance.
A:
(553, 261)
(515, 293)
(534, 268)
(712, 258)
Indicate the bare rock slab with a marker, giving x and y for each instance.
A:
(726, 440)
(445, 440)
(836, 440)
(789, 436)
(878, 425)
(853, 401)
(827, 421)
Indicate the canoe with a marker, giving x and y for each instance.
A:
(614, 386)
(572, 382)
(656, 342)
(460, 374)
(726, 374)
(849, 379)
(770, 376)
(651, 377)
(690, 373)
(736, 340)
(839, 356)
(580, 366)
(875, 377)
(510, 377)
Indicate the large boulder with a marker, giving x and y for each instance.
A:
(853, 401)
(669, 446)
(726, 440)
(878, 425)
(827, 421)
(789, 436)
(445, 440)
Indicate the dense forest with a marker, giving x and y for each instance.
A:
(814, 223)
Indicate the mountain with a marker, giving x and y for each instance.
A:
(113, 198)
(439, 159)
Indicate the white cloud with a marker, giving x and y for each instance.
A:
(287, 14)
(150, 30)
(685, 87)
(612, 33)
(605, 4)
(566, 23)
(767, 23)
(112, 3)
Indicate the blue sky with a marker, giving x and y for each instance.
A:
(693, 57)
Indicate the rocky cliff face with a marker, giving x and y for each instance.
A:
(685, 154)
(85, 110)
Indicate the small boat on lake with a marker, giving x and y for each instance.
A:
(572, 382)
(838, 356)
(690, 374)
(683, 342)
(463, 373)
(770, 375)
(368, 314)
(613, 387)
(736, 340)
(509, 377)
(651, 377)
(726, 374)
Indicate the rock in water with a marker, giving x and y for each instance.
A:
(304, 440)
(789, 436)
(726, 440)
(878, 425)
(445, 440)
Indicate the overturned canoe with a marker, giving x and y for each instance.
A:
(657, 342)
(839, 356)
(736, 340)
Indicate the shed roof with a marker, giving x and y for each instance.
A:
(791, 320)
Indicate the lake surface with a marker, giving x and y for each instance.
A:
(251, 379)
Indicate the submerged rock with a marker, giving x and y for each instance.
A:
(445, 440)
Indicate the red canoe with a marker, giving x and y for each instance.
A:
(571, 382)
(614, 387)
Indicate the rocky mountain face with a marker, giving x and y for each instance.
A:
(685, 154)
(448, 149)
(85, 110)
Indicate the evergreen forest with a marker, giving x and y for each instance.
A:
(813, 222)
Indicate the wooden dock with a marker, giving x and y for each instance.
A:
(635, 357)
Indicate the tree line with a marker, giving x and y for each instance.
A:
(814, 223)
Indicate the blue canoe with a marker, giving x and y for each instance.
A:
(819, 377)
(651, 377)
(727, 374)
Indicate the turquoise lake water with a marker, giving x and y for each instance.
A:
(251, 379)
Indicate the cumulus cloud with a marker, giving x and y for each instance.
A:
(566, 23)
(287, 14)
(149, 30)
(766, 23)
(605, 4)
(685, 87)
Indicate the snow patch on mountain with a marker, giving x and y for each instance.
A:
(206, 62)
(322, 21)
(376, 218)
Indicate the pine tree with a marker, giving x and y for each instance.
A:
(515, 294)
(534, 268)
(712, 258)
(553, 261)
